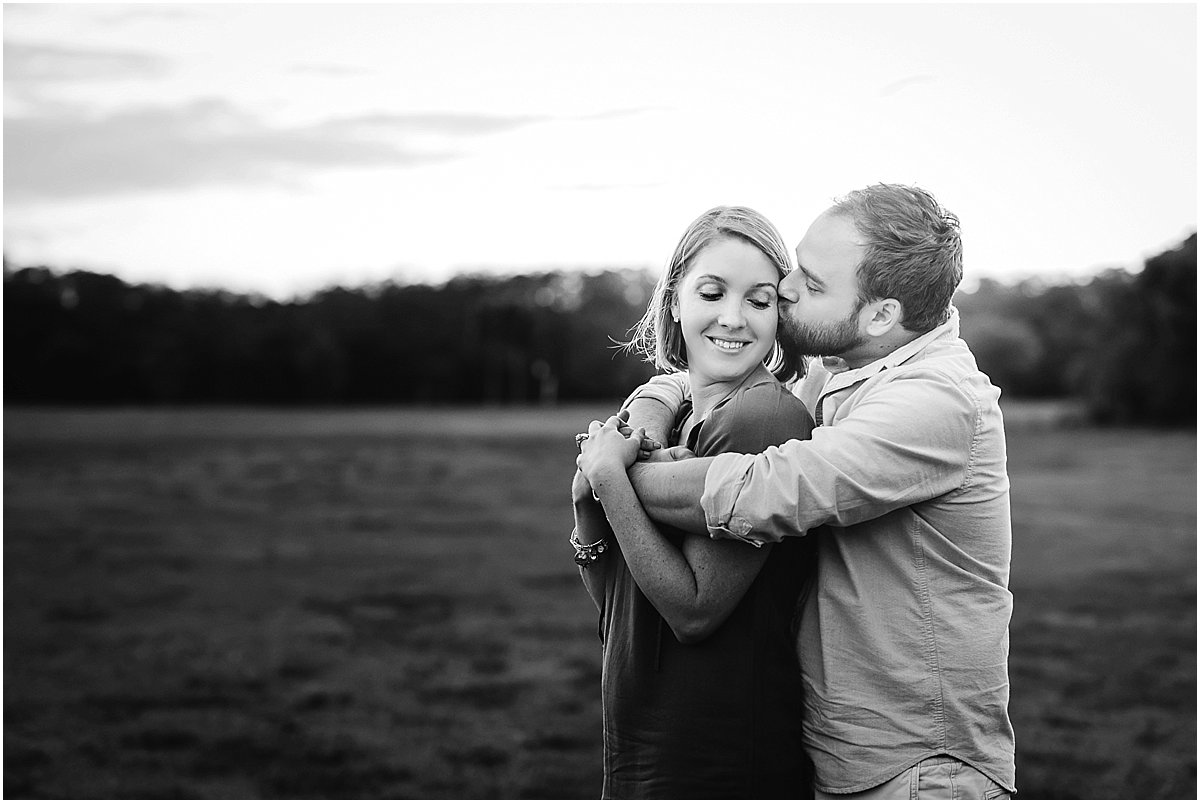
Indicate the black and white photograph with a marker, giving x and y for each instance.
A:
(590, 400)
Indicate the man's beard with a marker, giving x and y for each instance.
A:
(820, 340)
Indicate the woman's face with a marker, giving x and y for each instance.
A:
(727, 308)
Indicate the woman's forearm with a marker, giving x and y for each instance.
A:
(590, 527)
(670, 492)
(660, 569)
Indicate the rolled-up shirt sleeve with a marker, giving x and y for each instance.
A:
(722, 488)
(907, 440)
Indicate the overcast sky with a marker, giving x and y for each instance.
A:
(283, 148)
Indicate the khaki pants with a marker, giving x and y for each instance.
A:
(937, 778)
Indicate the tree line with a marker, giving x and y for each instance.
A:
(83, 337)
(1124, 343)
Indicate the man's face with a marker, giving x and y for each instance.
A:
(820, 312)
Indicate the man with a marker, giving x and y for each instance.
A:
(904, 642)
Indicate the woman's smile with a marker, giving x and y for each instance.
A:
(724, 344)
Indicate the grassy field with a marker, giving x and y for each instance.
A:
(231, 603)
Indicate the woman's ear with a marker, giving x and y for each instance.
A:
(675, 308)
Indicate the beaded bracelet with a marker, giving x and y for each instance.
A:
(586, 554)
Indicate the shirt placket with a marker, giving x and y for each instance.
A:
(831, 398)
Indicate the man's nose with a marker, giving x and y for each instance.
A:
(789, 292)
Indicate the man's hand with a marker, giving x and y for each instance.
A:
(648, 447)
(669, 455)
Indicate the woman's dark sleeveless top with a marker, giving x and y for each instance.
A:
(720, 718)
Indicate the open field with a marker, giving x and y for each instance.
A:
(234, 603)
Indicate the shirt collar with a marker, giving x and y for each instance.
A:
(844, 376)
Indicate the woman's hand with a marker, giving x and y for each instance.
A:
(607, 451)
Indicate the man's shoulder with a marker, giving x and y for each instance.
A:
(945, 374)
(949, 357)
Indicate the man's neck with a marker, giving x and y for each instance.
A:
(878, 348)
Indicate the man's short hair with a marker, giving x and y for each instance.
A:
(913, 251)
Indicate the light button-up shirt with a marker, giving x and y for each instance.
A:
(904, 644)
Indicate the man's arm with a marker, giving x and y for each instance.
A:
(908, 442)
(670, 492)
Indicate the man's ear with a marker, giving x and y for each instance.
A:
(884, 316)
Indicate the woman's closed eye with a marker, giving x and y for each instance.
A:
(758, 299)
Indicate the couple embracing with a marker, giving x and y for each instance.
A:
(798, 535)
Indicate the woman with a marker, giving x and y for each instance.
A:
(701, 684)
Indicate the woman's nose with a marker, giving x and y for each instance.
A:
(731, 315)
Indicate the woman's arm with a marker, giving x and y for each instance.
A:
(694, 588)
(654, 405)
(590, 527)
(668, 487)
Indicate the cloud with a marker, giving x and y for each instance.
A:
(434, 123)
(904, 83)
(616, 114)
(328, 70)
(27, 64)
(69, 154)
(144, 13)
(596, 187)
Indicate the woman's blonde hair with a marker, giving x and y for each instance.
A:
(659, 337)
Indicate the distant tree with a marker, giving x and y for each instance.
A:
(88, 338)
(1141, 366)
(1007, 349)
(1027, 337)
